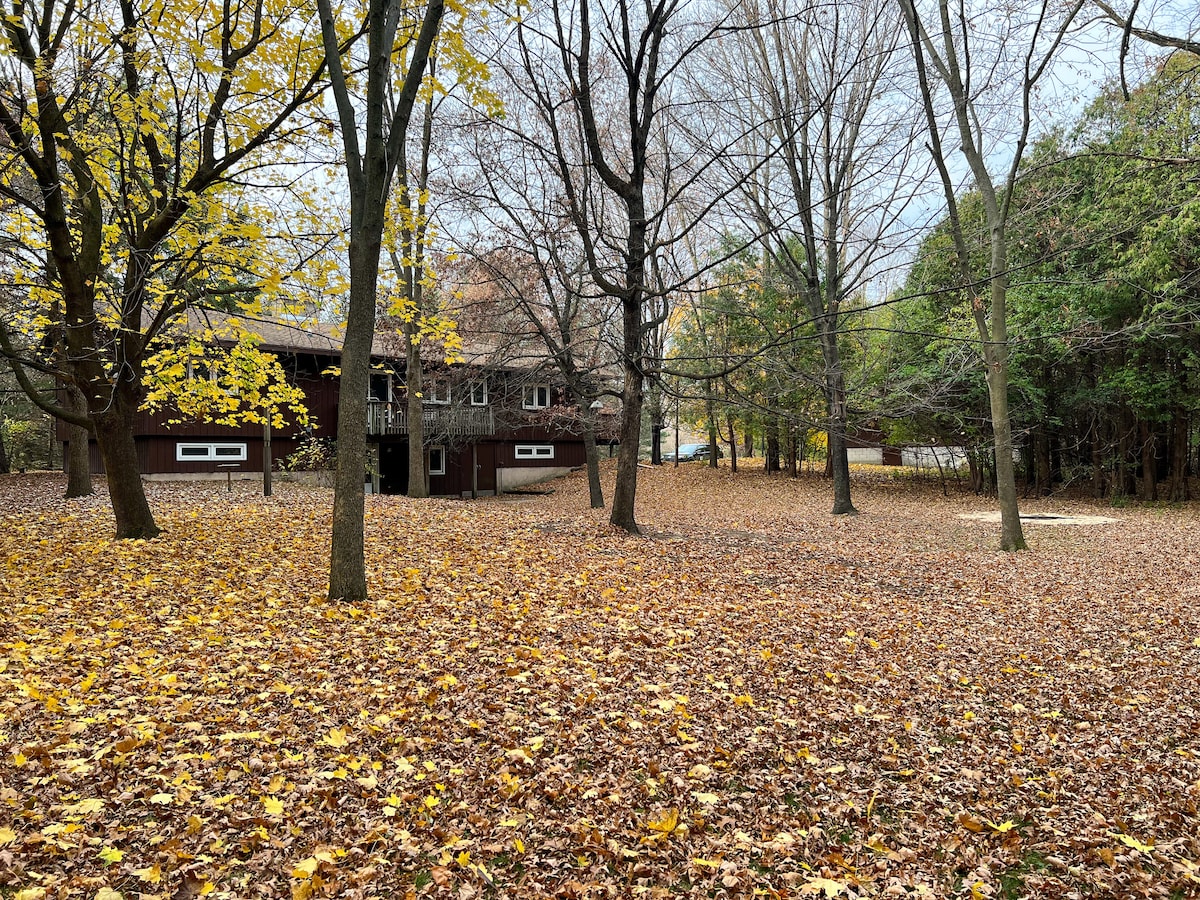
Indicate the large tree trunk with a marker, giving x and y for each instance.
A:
(114, 436)
(1149, 461)
(622, 515)
(1011, 536)
(835, 398)
(347, 569)
(771, 462)
(1041, 460)
(1178, 491)
(79, 467)
(418, 479)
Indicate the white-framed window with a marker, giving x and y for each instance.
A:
(209, 451)
(535, 451)
(479, 395)
(536, 396)
(436, 391)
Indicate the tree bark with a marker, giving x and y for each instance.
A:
(79, 467)
(1149, 461)
(114, 435)
(592, 452)
(414, 381)
(625, 491)
(771, 461)
(1179, 445)
(733, 451)
(370, 165)
(835, 397)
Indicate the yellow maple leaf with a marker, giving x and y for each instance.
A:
(273, 806)
(335, 738)
(107, 893)
(666, 823)
(7, 836)
(111, 855)
(1002, 828)
(1132, 842)
(151, 874)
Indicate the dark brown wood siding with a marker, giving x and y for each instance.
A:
(566, 453)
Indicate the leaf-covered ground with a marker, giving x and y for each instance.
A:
(753, 699)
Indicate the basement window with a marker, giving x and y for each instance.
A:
(535, 451)
(209, 451)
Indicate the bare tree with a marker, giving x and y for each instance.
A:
(951, 50)
(600, 76)
(828, 157)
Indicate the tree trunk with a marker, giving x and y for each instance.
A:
(748, 446)
(114, 435)
(1041, 450)
(835, 398)
(1011, 535)
(622, 515)
(654, 409)
(347, 567)
(733, 451)
(5, 465)
(793, 451)
(1149, 461)
(79, 467)
(414, 380)
(592, 452)
(771, 460)
(1179, 447)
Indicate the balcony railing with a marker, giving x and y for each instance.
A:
(451, 421)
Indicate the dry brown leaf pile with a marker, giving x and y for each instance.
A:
(754, 699)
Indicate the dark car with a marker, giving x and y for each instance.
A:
(690, 453)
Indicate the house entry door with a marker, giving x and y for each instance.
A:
(485, 471)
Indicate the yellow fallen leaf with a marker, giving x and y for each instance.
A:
(163, 799)
(7, 836)
(705, 799)
(1002, 828)
(335, 738)
(666, 823)
(107, 893)
(152, 874)
(85, 807)
(1132, 842)
(273, 806)
(306, 868)
(111, 855)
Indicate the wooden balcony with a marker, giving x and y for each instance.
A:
(449, 421)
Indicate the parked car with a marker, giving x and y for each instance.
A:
(690, 453)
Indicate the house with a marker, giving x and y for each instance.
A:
(490, 425)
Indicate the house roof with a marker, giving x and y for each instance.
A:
(495, 351)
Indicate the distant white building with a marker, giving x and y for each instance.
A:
(933, 457)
